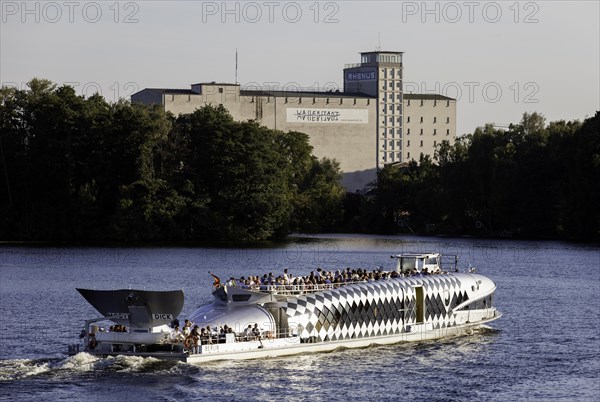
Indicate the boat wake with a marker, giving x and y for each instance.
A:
(81, 363)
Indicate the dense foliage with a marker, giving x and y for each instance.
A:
(84, 169)
(532, 180)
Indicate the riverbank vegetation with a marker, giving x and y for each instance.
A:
(532, 180)
(83, 169)
(76, 169)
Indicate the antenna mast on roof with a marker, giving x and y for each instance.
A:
(379, 42)
(236, 66)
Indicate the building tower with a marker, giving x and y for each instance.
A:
(379, 74)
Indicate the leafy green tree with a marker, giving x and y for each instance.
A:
(240, 168)
(532, 180)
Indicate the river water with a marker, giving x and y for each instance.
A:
(546, 346)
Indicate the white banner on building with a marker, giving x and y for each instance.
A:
(321, 116)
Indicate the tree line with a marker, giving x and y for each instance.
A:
(532, 180)
(83, 169)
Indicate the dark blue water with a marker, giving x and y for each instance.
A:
(547, 345)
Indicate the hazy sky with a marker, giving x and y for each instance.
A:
(499, 59)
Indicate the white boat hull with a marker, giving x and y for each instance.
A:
(291, 346)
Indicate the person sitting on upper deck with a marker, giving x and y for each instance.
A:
(256, 332)
(248, 332)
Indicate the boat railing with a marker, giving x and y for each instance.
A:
(282, 289)
(298, 289)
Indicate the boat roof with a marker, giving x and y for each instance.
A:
(416, 255)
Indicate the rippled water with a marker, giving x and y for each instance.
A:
(547, 345)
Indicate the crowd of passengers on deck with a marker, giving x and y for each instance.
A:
(320, 280)
(193, 337)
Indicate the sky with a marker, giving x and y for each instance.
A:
(499, 59)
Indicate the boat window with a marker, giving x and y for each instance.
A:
(431, 260)
(420, 310)
(408, 264)
(240, 298)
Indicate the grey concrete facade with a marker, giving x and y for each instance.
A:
(430, 119)
(340, 125)
(370, 124)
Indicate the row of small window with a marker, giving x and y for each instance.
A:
(314, 100)
(390, 96)
(397, 85)
(391, 144)
(434, 131)
(391, 73)
(391, 108)
(421, 119)
(391, 157)
(420, 143)
(389, 131)
(422, 101)
(395, 156)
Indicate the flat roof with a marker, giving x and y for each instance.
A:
(217, 83)
(308, 94)
(381, 51)
(426, 96)
(170, 91)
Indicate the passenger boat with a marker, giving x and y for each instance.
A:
(416, 301)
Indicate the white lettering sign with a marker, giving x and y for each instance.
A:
(163, 316)
(327, 116)
(361, 75)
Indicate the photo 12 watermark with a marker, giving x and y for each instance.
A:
(291, 88)
(252, 12)
(473, 91)
(54, 12)
(453, 12)
(110, 91)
